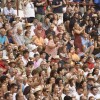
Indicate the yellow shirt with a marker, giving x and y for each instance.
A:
(39, 41)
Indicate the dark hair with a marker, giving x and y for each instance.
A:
(53, 86)
(25, 51)
(6, 95)
(58, 80)
(29, 63)
(93, 87)
(3, 79)
(27, 90)
(52, 73)
(67, 98)
(13, 85)
(35, 71)
(26, 33)
(59, 69)
(79, 87)
(93, 73)
(36, 55)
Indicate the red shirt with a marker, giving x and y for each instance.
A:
(90, 65)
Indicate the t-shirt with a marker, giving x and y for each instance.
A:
(58, 9)
(3, 39)
(40, 9)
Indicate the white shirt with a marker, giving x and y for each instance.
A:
(32, 30)
(19, 39)
(97, 96)
(77, 96)
(24, 61)
(7, 11)
(29, 10)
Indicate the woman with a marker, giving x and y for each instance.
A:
(77, 30)
(97, 47)
(52, 46)
(29, 11)
(28, 39)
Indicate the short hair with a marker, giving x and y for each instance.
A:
(67, 98)
(13, 85)
(3, 78)
(35, 71)
(29, 63)
(93, 87)
(25, 51)
(59, 69)
(6, 95)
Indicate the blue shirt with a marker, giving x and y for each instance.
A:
(2, 39)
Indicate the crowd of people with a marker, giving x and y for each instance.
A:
(52, 53)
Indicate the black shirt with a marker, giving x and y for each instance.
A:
(58, 9)
(40, 9)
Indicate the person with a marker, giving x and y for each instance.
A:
(9, 12)
(19, 37)
(29, 10)
(77, 30)
(94, 93)
(8, 96)
(57, 6)
(3, 38)
(40, 12)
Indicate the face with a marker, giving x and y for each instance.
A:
(83, 98)
(21, 96)
(15, 89)
(94, 91)
(52, 80)
(3, 32)
(97, 71)
(10, 97)
(19, 31)
(80, 91)
(31, 97)
(26, 55)
(56, 89)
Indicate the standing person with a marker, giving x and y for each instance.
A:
(9, 12)
(77, 34)
(29, 10)
(40, 12)
(57, 6)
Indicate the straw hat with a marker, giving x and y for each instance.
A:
(94, 15)
(28, 24)
(38, 88)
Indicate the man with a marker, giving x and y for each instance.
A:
(13, 90)
(9, 12)
(25, 57)
(40, 10)
(19, 37)
(50, 30)
(78, 93)
(94, 93)
(8, 96)
(20, 96)
(3, 38)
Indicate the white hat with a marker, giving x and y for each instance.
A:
(34, 47)
(31, 47)
(56, 57)
(38, 88)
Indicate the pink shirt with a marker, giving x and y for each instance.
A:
(51, 51)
